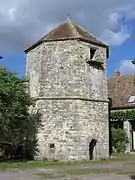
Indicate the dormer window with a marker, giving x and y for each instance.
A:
(131, 99)
(92, 52)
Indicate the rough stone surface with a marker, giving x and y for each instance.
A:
(127, 128)
(72, 97)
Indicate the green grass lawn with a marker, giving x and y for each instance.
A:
(35, 164)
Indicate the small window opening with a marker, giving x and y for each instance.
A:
(52, 146)
(92, 52)
(131, 99)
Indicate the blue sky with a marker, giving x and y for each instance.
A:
(15, 62)
(24, 22)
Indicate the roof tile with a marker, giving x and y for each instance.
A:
(66, 31)
(120, 90)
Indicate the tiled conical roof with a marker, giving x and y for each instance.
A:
(69, 30)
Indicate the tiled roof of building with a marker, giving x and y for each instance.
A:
(120, 89)
(68, 30)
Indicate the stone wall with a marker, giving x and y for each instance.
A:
(33, 70)
(127, 128)
(60, 69)
(71, 125)
(72, 97)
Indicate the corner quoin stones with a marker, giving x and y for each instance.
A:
(71, 92)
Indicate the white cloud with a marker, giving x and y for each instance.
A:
(115, 38)
(11, 13)
(113, 19)
(127, 67)
(24, 22)
(118, 31)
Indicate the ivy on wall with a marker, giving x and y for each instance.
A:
(122, 115)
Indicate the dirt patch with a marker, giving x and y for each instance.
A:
(122, 170)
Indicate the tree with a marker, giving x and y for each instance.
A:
(133, 62)
(17, 125)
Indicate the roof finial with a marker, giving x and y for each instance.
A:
(68, 17)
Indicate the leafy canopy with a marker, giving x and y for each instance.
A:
(14, 105)
(17, 125)
(123, 115)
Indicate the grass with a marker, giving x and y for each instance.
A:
(36, 164)
(67, 169)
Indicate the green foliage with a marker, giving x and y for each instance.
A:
(133, 61)
(123, 115)
(17, 125)
(119, 140)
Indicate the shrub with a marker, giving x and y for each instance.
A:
(119, 140)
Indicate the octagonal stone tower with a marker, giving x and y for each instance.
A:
(67, 76)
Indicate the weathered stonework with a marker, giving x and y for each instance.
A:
(71, 125)
(60, 69)
(72, 97)
(127, 128)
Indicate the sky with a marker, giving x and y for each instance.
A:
(24, 22)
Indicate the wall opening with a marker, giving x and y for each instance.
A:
(92, 52)
(51, 146)
(92, 144)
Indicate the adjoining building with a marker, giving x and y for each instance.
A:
(122, 95)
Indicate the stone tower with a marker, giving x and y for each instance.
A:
(67, 76)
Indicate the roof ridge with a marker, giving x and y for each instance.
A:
(74, 29)
(91, 34)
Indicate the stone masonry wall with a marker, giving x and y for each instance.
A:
(71, 125)
(127, 128)
(68, 89)
(60, 69)
(33, 70)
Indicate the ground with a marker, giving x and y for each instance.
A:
(122, 168)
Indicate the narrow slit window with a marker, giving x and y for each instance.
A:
(52, 146)
(92, 52)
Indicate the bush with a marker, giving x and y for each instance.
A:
(119, 140)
